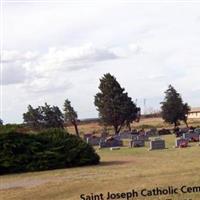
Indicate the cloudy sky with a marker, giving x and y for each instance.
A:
(55, 50)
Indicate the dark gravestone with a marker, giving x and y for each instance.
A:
(110, 142)
(191, 137)
(137, 143)
(181, 142)
(157, 143)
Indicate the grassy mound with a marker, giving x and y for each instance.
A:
(50, 149)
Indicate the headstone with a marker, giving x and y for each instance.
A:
(157, 143)
(144, 137)
(137, 143)
(181, 142)
(191, 137)
(110, 142)
(93, 140)
(197, 130)
(126, 135)
(87, 135)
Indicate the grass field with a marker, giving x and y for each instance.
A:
(120, 171)
(144, 123)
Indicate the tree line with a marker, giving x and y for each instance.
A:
(114, 106)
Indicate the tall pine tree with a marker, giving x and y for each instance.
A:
(173, 108)
(115, 107)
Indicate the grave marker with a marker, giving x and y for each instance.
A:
(181, 142)
(110, 142)
(157, 143)
(191, 137)
(137, 143)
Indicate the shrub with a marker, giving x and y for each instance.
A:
(50, 149)
(8, 128)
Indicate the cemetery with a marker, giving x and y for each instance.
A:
(118, 170)
(150, 139)
(127, 159)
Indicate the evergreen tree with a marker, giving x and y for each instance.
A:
(173, 108)
(114, 106)
(1, 122)
(70, 115)
(52, 117)
(44, 117)
(33, 117)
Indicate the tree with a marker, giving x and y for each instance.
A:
(70, 115)
(33, 117)
(1, 122)
(52, 117)
(134, 115)
(113, 104)
(173, 108)
(44, 117)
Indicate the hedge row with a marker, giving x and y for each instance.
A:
(51, 149)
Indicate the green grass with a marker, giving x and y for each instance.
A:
(120, 171)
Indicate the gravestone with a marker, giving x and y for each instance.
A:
(197, 130)
(93, 140)
(126, 135)
(191, 137)
(137, 143)
(144, 137)
(157, 143)
(181, 142)
(110, 142)
(87, 135)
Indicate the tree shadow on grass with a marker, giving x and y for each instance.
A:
(114, 162)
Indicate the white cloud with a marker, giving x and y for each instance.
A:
(141, 44)
(14, 56)
(22, 66)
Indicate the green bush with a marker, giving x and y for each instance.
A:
(50, 149)
(8, 128)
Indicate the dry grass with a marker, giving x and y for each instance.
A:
(120, 171)
(144, 123)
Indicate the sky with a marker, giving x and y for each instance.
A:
(57, 50)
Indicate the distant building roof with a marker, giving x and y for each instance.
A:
(197, 109)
